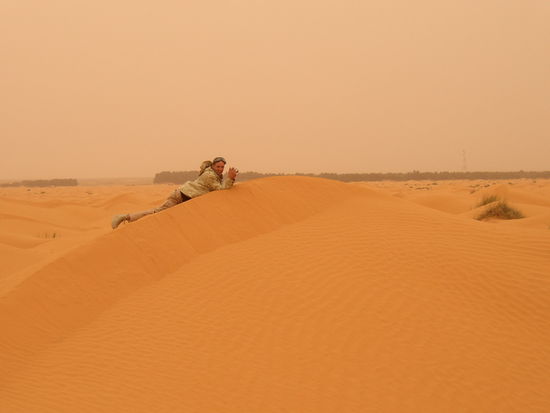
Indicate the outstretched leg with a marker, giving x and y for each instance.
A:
(119, 219)
(175, 198)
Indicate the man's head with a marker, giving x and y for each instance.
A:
(218, 164)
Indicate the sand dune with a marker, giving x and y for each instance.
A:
(531, 197)
(283, 294)
(51, 221)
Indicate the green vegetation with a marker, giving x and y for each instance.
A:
(500, 210)
(183, 176)
(42, 183)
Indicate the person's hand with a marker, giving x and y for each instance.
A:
(232, 173)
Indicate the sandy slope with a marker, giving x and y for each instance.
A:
(283, 294)
(531, 197)
(41, 224)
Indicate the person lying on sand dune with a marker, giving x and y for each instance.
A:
(210, 179)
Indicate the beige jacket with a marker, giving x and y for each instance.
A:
(207, 182)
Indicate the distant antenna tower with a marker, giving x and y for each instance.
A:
(464, 166)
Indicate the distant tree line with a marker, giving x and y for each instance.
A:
(42, 182)
(184, 176)
(431, 176)
(180, 177)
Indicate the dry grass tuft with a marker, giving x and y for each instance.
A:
(488, 199)
(501, 210)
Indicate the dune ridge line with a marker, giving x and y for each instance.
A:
(73, 289)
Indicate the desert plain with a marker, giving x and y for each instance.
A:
(283, 294)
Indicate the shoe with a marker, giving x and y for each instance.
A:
(118, 219)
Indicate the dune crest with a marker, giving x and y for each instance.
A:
(76, 287)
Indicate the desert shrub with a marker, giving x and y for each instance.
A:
(488, 199)
(500, 210)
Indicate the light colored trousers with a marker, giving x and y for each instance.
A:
(175, 198)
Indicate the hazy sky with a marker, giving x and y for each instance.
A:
(134, 87)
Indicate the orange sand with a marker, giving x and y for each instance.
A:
(286, 294)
